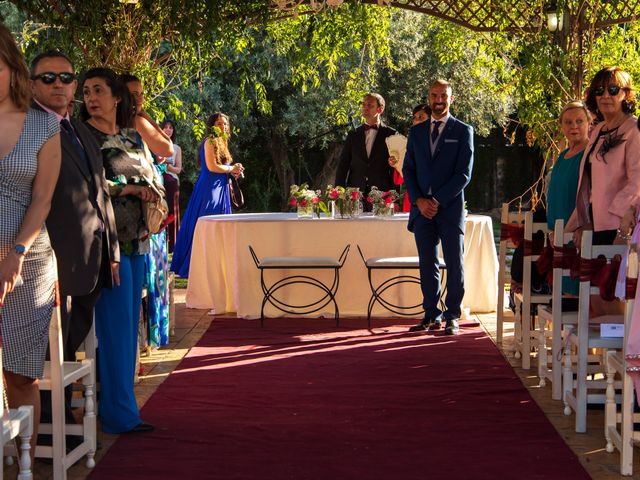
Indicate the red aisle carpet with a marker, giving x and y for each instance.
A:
(300, 399)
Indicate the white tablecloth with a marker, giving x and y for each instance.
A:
(224, 278)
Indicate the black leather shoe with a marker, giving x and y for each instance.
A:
(435, 325)
(142, 428)
(423, 326)
(451, 328)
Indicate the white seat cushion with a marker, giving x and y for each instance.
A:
(393, 262)
(398, 262)
(294, 262)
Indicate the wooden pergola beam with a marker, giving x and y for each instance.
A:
(504, 15)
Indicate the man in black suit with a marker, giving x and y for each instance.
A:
(364, 161)
(81, 223)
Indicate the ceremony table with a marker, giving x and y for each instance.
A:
(223, 277)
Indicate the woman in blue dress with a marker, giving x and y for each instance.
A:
(211, 192)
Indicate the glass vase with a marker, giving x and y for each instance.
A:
(305, 211)
(333, 209)
(355, 208)
(382, 210)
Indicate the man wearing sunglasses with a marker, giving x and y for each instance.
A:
(81, 223)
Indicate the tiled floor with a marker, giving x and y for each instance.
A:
(191, 324)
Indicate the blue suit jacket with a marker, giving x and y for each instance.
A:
(445, 173)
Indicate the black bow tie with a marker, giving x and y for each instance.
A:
(370, 127)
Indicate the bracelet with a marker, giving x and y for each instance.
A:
(624, 236)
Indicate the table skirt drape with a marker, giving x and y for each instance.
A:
(224, 278)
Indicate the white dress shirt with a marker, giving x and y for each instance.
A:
(369, 138)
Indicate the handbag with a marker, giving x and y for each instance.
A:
(235, 192)
(155, 214)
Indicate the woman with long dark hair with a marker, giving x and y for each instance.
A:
(173, 167)
(211, 192)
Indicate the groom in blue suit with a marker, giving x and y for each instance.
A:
(437, 167)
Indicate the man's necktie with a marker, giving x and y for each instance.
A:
(73, 138)
(435, 130)
(370, 127)
(66, 124)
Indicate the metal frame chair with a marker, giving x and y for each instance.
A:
(396, 263)
(300, 263)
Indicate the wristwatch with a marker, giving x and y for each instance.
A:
(20, 249)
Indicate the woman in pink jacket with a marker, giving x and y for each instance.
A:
(609, 182)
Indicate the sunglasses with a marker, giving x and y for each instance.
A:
(49, 77)
(612, 89)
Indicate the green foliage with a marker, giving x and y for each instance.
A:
(476, 64)
(289, 84)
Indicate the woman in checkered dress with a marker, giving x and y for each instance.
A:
(29, 167)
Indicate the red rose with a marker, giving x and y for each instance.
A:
(293, 202)
(303, 202)
(315, 200)
(369, 199)
(333, 194)
(354, 195)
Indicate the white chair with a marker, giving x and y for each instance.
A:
(527, 298)
(554, 317)
(619, 423)
(510, 222)
(58, 374)
(16, 423)
(585, 336)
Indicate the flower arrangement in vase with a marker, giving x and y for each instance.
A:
(383, 204)
(306, 201)
(346, 201)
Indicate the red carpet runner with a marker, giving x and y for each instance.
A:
(302, 400)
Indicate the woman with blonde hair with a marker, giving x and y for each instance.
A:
(563, 184)
(30, 152)
(211, 192)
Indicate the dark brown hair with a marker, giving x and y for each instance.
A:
(20, 90)
(220, 144)
(421, 107)
(125, 112)
(166, 122)
(614, 76)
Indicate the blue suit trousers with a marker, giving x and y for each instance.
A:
(428, 234)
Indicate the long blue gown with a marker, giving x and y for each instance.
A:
(210, 197)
